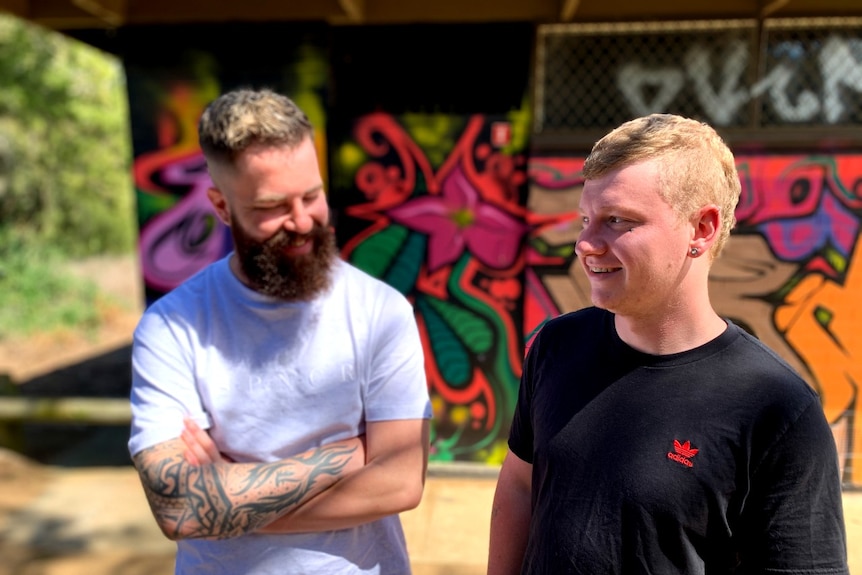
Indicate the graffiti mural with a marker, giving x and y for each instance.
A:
(788, 274)
(438, 212)
(180, 233)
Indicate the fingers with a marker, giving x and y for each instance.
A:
(194, 453)
(189, 455)
(200, 448)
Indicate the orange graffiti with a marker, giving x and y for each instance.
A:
(821, 321)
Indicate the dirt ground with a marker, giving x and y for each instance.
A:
(75, 506)
(120, 280)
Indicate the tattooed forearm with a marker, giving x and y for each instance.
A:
(228, 499)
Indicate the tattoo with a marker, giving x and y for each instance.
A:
(226, 500)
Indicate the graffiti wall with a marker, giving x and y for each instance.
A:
(432, 203)
(436, 209)
(788, 274)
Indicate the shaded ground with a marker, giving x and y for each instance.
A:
(77, 364)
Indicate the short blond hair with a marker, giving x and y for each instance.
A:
(696, 167)
(242, 118)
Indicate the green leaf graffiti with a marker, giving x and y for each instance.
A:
(402, 275)
(376, 253)
(451, 356)
(470, 328)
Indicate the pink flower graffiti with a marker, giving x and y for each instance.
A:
(457, 219)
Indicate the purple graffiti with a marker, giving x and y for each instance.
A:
(184, 239)
(830, 225)
(792, 201)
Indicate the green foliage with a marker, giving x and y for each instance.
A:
(65, 148)
(35, 295)
(65, 184)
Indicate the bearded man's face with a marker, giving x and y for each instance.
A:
(270, 267)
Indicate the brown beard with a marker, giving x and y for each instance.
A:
(290, 278)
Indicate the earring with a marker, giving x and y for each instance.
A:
(693, 251)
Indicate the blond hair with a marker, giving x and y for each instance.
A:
(696, 167)
(242, 118)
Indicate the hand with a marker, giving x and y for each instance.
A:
(200, 449)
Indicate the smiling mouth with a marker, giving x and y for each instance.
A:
(602, 270)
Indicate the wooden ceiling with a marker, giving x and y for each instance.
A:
(88, 14)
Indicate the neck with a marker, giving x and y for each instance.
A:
(236, 268)
(690, 323)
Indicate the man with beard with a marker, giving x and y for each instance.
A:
(280, 408)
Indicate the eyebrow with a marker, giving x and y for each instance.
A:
(280, 197)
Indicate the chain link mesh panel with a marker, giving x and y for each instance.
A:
(812, 73)
(596, 76)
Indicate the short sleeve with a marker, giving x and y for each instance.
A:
(397, 386)
(521, 431)
(792, 521)
(163, 388)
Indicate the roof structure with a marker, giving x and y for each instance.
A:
(89, 14)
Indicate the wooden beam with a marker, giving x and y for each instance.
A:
(769, 8)
(88, 410)
(355, 10)
(20, 8)
(113, 12)
(568, 10)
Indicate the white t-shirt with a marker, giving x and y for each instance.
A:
(270, 380)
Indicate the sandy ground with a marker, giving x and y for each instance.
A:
(67, 517)
(95, 521)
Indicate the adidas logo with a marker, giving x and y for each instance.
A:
(682, 453)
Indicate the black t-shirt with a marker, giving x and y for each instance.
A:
(714, 460)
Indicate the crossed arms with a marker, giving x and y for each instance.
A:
(195, 493)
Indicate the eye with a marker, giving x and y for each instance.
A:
(615, 220)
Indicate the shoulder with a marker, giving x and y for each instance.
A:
(764, 382)
(358, 276)
(584, 323)
(358, 284)
(585, 317)
(191, 295)
(756, 358)
(582, 330)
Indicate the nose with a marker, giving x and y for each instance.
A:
(589, 243)
(299, 221)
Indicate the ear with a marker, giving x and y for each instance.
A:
(219, 202)
(706, 226)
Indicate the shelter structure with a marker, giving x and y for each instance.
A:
(454, 132)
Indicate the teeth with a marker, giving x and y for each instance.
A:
(601, 270)
(299, 242)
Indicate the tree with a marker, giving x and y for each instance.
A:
(64, 143)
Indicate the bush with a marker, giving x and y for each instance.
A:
(37, 296)
(65, 176)
(65, 148)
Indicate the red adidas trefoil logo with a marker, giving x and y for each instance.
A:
(682, 453)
